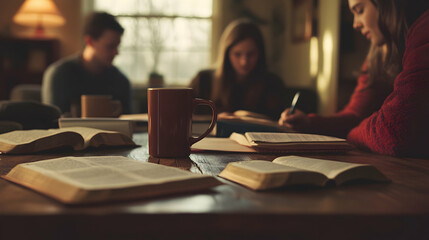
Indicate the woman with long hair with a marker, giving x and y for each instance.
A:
(241, 80)
(389, 110)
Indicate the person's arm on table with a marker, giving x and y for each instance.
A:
(363, 102)
(401, 127)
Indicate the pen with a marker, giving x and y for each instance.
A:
(294, 101)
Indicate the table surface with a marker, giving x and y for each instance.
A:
(397, 210)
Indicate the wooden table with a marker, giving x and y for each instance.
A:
(399, 210)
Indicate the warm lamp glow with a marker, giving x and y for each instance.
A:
(39, 13)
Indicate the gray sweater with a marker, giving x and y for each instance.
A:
(66, 80)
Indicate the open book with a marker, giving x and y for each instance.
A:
(295, 170)
(291, 142)
(76, 180)
(244, 121)
(78, 138)
(274, 142)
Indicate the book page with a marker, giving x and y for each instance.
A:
(281, 138)
(27, 136)
(108, 172)
(262, 175)
(112, 138)
(78, 138)
(240, 138)
(220, 144)
(329, 168)
(262, 166)
(29, 141)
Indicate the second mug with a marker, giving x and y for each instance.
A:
(99, 106)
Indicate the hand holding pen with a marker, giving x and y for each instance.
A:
(293, 118)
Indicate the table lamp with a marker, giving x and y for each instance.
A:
(39, 14)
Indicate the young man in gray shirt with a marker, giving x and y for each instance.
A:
(91, 71)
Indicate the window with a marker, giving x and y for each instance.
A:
(170, 37)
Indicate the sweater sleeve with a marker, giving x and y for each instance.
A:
(400, 127)
(364, 101)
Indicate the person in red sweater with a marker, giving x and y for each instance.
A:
(398, 31)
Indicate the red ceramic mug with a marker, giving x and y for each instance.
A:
(170, 121)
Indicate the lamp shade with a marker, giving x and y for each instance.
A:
(39, 13)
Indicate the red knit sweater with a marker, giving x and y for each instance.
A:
(364, 101)
(401, 126)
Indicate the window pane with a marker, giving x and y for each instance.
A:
(135, 65)
(196, 8)
(193, 8)
(175, 47)
(116, 7)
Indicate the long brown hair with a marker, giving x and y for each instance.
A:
(224, 75)
(395, 17)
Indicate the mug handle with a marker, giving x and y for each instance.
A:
(199, 101)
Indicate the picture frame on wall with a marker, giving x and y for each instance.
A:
(302, 20)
